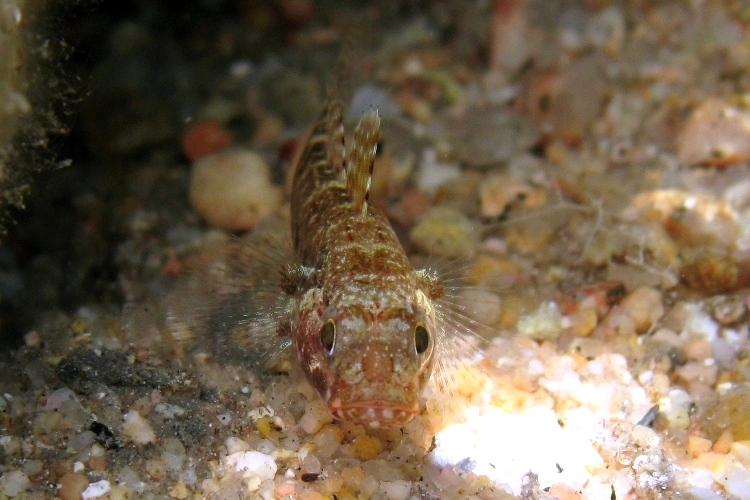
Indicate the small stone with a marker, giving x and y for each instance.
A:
(178, 490)
(691, 219)
(72, 486)
(645, 437)
(129, 478)
(618, 322)
(676, 407)
(311, 495)
(328, 440)
(434, 173)
(96, 490)
(499, 192)
(445, 232)
(235, 444)
(169, 411)
(258, 464)
(284, 490)
(366, 447)
(583, 322)
(137, 428)
(483, 137)
(156, 469)
(232, 189)
(352, 476)
(57, 398)
(544, 323)
(724, 443)
(727, 309)
(736, 481)
(32, 467)
(715, 134)
(311, 465)
(315, 417)
(644, 306)
(13, 483)
(269, 129)
(698, 371)
(204, 137)
(267, 428)
(47, 422)
(98, 463)
(714, 272)
(698, 350)
(396, 490)
(32, 338)
(508, 37)
(698, 445)
(174, 454)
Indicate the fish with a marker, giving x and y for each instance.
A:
(367, 329)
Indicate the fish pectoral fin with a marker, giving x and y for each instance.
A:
(296, 279)
(362, 158)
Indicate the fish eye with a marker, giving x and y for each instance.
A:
(328, 336)
(421, 338)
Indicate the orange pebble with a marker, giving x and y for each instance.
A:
(172, 267)
(563, 492)
(724, 443)
(98, 463)
(204, 136)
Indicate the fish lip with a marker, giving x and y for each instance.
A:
(374, 413)
(337, 405)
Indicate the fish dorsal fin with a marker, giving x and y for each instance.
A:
(335, 135)
(362, 158)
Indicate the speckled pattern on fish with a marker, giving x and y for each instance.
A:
(364, 324)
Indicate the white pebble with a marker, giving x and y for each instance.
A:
(32, 338)
(645, 437)
(174, 454)
(96, 490)
(232, 189)
(698, 323)
(736, 481)
(316, 415)
(715, 133)
(57, 398)
(137, 428)
(235, 444)
(544, 323)
(676, 407)
(13, 483)
(266, 446)
(169, 411)
(369, 97)
(396, 490)
(256, 463)
(432, 173)
(128, 478)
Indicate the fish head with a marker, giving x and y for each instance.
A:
(370, 365)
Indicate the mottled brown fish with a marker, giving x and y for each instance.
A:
(366, 327)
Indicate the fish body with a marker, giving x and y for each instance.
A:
(369, 331)
(363, 322)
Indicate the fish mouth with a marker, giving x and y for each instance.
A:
(374, 413)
